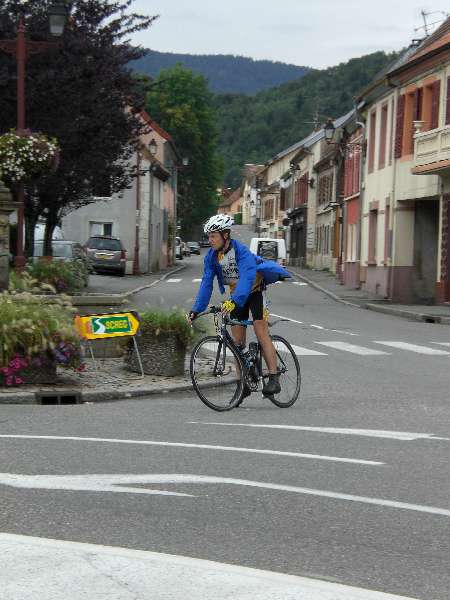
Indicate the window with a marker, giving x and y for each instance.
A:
(383, 136)
(373, 230)
(400, 120)
(447, 106)
(325, 189)
(98, 243)
(96, 228)
(387, 237)
(372, 134)
(351, 242)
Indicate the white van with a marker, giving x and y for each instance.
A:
(269, 249)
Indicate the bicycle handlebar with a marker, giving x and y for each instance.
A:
(214, 310)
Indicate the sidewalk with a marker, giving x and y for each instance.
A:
(327, 283)
(111, 382)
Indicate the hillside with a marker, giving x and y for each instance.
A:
(253, 129)
(225, 73)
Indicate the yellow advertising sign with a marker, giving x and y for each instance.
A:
(97, 327)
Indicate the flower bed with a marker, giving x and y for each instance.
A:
(36, 337)
(53, 276)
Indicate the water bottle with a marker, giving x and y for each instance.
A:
(253, 350)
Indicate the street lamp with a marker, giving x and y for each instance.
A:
(22, 48)
(329, 130)
(57, 14)
(153, 147)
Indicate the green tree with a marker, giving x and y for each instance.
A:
(78, 92)
(180, 101)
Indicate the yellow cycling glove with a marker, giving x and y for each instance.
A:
(228, 306)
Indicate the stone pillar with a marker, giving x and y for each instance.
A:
(7, 206)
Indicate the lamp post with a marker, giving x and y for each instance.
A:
(22, 49)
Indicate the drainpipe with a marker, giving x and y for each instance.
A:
(390, 283)
(138, 214)
(362, 164)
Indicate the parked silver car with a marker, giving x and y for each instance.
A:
(106, 254)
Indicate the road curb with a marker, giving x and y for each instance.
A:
(381, 308)
(409, 314)
(91, 396)
(149, 285)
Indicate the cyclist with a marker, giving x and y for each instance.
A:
(247, 276)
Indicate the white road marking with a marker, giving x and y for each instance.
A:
(313, 326)
(299, 283)
(85, 571)
(195, 446)
(287, 318)
(84, 483)
(299, 350)
(415, 348)
(404, 436)
(362, 350)
(116, 483)
(442, 343)
(196, 280)
(173, 280)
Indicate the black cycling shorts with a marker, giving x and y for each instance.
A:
(255, 304)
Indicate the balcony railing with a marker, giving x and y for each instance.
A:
(432, 151)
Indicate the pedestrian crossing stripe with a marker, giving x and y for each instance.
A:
(353, 348)
(173, 280)
(415, 348)
(299, 350)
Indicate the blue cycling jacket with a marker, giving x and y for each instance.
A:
(249, 265)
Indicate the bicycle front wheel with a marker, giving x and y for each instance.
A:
(216, 373)
(288, 369)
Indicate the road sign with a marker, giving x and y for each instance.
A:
(97, 327)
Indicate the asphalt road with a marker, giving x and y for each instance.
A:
(353, 486)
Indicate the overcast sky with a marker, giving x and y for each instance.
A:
(315, 33)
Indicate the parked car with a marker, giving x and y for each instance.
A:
(194, 247)
(106, 254)
(63, 250)
(186, 249)
(269, 248)
(204, 242)
(179, 248)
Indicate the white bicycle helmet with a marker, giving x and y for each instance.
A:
(218, 223)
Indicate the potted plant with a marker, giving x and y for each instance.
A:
(26, 155)
(162, 341)
(36, 337)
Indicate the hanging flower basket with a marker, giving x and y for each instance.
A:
(26, 155)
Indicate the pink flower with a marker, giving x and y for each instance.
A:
(19, 381)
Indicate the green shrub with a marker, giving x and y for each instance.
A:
(62, 277)
(160, 322)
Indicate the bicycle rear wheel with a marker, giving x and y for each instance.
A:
(288, 369)
(216, 373)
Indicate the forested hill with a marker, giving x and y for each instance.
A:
(225, 73)
(253, 129)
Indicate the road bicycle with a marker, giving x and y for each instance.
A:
(219, 367)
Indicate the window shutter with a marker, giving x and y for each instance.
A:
(435, 97)
(400, 119)
(447, 108)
